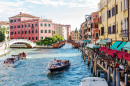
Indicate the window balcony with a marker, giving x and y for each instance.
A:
(124, 33)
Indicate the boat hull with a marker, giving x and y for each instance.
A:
(60, 68)
(11, 64)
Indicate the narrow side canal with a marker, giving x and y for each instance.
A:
(33, 71)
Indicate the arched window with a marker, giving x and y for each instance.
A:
(49, 25)
(45, 31)
(29, 31)
(49, 31)
(45, 24)
(41, 24)
(36, 30)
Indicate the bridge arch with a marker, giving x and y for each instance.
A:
(28, 43)
(57, 45)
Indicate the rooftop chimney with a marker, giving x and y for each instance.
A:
(20, 13)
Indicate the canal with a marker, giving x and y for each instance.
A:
(33, 71)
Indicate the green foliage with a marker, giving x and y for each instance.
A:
(53, 32)
(2, 36)
(76, 30)
(59, 38)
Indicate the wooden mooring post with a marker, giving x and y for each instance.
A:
(118, 77)
(108, 76)
(92, 62)
(114, 78)
(95, 66)
(88, 58)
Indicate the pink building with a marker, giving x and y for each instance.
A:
(25, 26)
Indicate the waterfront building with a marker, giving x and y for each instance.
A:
(94, 30)
(5, 25)
(63, 30)
(113, 20)
(75, 35)
(25, 26)
(83, 31)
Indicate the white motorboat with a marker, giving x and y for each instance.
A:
(93, 81)
(11, 62)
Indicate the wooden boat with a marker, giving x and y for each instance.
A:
(93, 81)
(11, 62)
(21, 56)
(60, 66)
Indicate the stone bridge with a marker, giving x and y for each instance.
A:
(57, 45)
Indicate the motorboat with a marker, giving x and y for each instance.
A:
(11, 62)
(93, 81)
(22, 55)
(59, 66)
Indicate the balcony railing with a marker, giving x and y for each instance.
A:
(124, 33)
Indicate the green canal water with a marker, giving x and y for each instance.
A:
(33, 71)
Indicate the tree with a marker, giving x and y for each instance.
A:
(2, 36)
(59, 38)
(76, 30)
(53, 32)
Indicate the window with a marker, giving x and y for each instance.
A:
(11, 38)
(22, 37)
(109, 13)
(25, 32)
(32, 31)
(35, 24)
(22, 32)
(113, 11)
(36, 30)
(45, 24)
(11, 21)
(96, 35)
(32, 38)
(25, 26)
(36, 38)
(45, 31)
(109, 30)
(11, 27)
(114, 29)
(19, 38)
(18, 20)
(18, 26)
(29, 38)
(25, 37)
(18, 32)
(121, 6)
(91, 25)
(15, 20)
(96, 16)
(22, 26)
(49, 31)
(14, 26)
(11, 33)
(41, 24)
(28, 25)
(102, 30)
(41, 37)
(117, 9)
(49, 25)
(96, 25)
(29, 31)
(99, 32)
(15, 32)
(32, 26)
(41, 31)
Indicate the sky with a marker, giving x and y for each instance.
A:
(70, 12)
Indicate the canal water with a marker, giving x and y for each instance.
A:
(33, 71)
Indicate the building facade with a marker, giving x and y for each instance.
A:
(94, 27)
(63, 30)
(25, 26)
(75, 35)
(113, 20)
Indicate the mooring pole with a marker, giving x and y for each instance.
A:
(88, 59)
(126, 79)
(91, 63)
(108, 76)
(118, 78)
(114, 78)
(98, 73)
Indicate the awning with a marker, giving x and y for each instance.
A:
(92, 46)
(98, 41)
(121, 45)
(127, 46)
(114, 46)
(87, 41)
(105, 41)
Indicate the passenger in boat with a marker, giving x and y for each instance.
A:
(54, 62)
